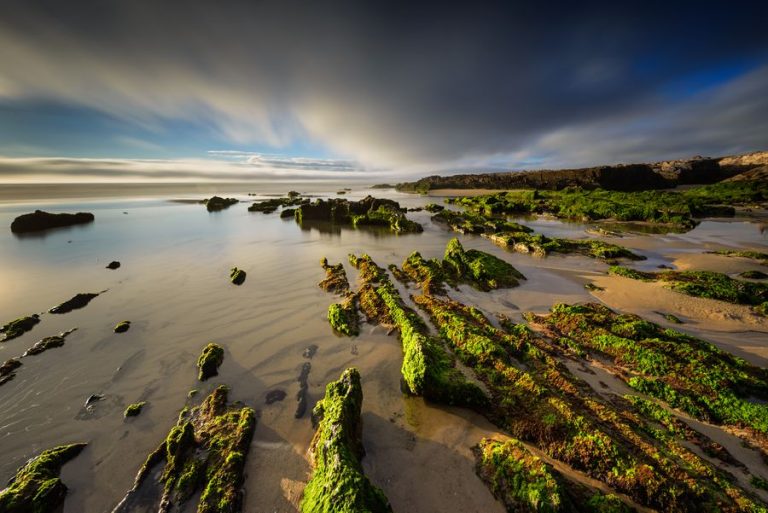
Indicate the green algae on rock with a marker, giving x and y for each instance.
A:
(520, 480)
(237, 276)
(752, 255)
(133, 410)
(36, 487)
(209, 361)
(481, 269)
(369, 211)
(122, 326)
(344, 317)
(8, 370)
(80, 300)
(428, 369)
(706, 284)
(39, 221)
(271, 205)
(204, 452)
(338, 484)
(754, 275)
(539, 401)
(18, 327)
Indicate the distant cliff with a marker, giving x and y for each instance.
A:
(622, 177)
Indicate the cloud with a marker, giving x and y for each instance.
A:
(17, 169)
(402, 86)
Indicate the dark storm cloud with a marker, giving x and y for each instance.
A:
(409, 84)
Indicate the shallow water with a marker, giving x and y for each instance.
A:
(173, 285)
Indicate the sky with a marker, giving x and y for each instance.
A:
(136, 90)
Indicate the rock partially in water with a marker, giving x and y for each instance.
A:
(122, 326)
(79, 301)
(113, 265)
(237, 276)
(133, 410)
(204, 453)
(338, 483)
(274, 396)
(92, 399)
(18, 327)
(45, 344)
(309, 352)
(369, 211)
(209, 361)
(301, 395)
(36, 487)
(335, 278)
(7, 370)
(344, 318)
(217, 203)
(39, 221)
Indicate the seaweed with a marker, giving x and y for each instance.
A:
(338, 484)
(36, 487)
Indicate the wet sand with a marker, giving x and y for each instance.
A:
(173, 285)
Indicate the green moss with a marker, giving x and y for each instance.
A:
(433, 207)
(134, 409)
(344, 318)
(368, 212)
(754, 275)
(18, 327)
(338, 484)
(427, 368)
(36, 487)
(237, 276)
(752, 255)
(204, 452)
(122, 326)
(602, 503)
(209, 361)
(520, 480)
(706, 284)
(481, 269)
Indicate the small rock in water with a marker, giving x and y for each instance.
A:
(92, 399)
(113, 265)
(309, 352)
(122, 326)
(237, 276)
(79, 301)
(274, 396)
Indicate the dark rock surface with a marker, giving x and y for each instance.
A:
(39, 220)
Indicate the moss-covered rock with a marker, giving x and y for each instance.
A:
(344, 317)
(338, 484)
(272, 204)
(754, 275)
(133, 410)
(44, 345)
(237, 276)
(481, 269)
(369, 211)
(204, 452)
(759, 256)
(18, 327)
(706, 284)
(36, 487)
(209, 361)
(520, 480)
(122, 326)
(8, 370)
(433, 208)
(79, 301)
(335, 278)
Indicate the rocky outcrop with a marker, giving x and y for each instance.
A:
(369, 211)
(217, 203)
(79, 301)
(209, 361)
(36, 487)
(39, 221)
(338, 483)
(621, 177)
(18, 327)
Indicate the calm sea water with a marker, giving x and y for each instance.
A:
(173, 285)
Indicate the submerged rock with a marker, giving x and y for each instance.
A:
(209, 361)
(7, 370)
(122, 326)
(309, 352)
(36, 487)
(338, 483)
(44, 345)
(204, 453)
(113, 265)
(301, 395)
(79, 301)
(134, 409)
(274, 396)
(40, 220)
(237, 276)
(18, 327)
(217, 203)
